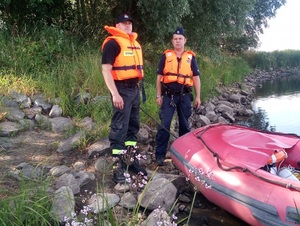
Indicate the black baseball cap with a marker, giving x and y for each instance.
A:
(124, 17)
(179, 31)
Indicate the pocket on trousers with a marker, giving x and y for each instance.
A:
(116, 130)
(191, 97)
(187, 106)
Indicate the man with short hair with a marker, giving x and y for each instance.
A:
(122, 68)
(177, 73)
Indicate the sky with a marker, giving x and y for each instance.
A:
(283, 30)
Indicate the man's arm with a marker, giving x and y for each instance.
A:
(197, 87)
(158, 90)
(110, 83)
(159, 72)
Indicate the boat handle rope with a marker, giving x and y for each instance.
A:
(243, 169)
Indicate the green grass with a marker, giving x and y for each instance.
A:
(29, 206)
(62, 67)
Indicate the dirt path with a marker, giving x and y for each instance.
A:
(36, 147)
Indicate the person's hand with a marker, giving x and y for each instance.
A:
(118, 101)
(159, 100)
(197, 103)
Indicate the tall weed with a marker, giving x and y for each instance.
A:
(276, 59)
(222, 72)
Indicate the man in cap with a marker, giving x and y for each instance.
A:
(177, 73)
(122, 68)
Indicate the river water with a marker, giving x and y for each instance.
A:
(277, 106)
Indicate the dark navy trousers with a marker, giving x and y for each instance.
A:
(183, 106)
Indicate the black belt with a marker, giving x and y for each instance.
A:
(127, 83)
(131, 67)
(175, 93)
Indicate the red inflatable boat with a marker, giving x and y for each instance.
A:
(250, 173)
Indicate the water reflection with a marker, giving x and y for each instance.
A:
(259, 121)
(277, 106)
(278, 87)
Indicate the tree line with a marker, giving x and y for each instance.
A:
(211, 25)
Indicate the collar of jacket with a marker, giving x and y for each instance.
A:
(117, 32)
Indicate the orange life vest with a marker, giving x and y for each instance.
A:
(178, 72)
(129, 63)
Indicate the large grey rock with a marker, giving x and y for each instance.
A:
(40, 102)
(60, 124)
(102, 202)
(158, 193)
(63, 204)
(42, 121)
(8, 129)
(68, 180)
(222, 108)
(158, 217)
(58, 171)
(15, 115)
(99, 148)
(71, 143)
(55, 111)
(128, 201)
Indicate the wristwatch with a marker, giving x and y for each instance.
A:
(158, 96)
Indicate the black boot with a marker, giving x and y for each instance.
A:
(135, 167)
(160, 160)
(118, 174)
(132, 152)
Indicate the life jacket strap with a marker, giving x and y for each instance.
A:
(176, 74)
(131, 67)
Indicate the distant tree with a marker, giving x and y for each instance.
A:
(211, 25)
(90, 16)
(24, 14)
(212, 21)
(256, 21)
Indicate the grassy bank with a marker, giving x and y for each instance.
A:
(276, 59)
(59, 66)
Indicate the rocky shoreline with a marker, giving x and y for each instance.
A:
(35, 128)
